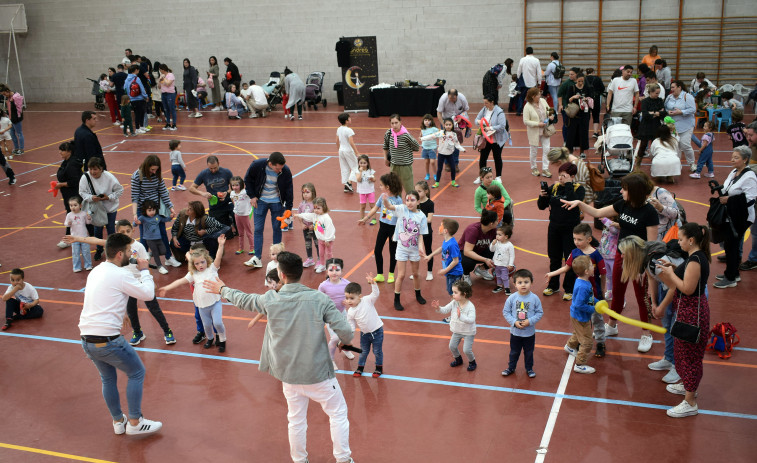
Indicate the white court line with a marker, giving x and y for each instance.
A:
(541, 452)
(33, 181)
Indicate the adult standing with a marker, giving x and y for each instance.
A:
(126, 61)
(497, 130)
(666, 162)
(652, 114)
(662, 71)
(650, 58)
(109, 286)
(217, 182)
(137, 96)
(101, 188)
(578, 129)
(295, 351)
(15, 108)
(636, 217)
(215, 88)
(595, 83)
(751, 135)
(114, 105)
(474, 246)
(738, 194)
(561, 223)
(622, 95)
(190, 82)
(559, 156)
(535, 118)
(562, 95)
(398, 152)
(529, 69)
(119, 79)
(68, 176)
(86, 143)
(167, 87)
(295, 88)
(682, 108)
(554, 79)
(490, 84)
(505, 78)
(232, 73)
(269, 184)
(147, 183)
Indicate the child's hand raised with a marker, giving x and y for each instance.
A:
(369, 278)
(221, 239)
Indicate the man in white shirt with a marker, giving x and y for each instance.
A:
(701, 83)
(255, 99)
(529, 69)
(109, 287)
(622, 95)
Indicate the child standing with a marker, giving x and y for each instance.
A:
(522, 311)
(608, 246)
(705, 151)
(411, 224)
(462, 322)
(361, 313)
(5, 136)
(448, 143)
(126, 116)
(324, 231)
(388, 182)
(581, 310)
(305, 207)
(151, 223)
(452, 267)
(364, 177)
(77, 220)
(504, 258)
(428, 146)
(736, 131)
(426, 205)
(242, 212)
(347, 150)
(177, 165)
(202, 267)
(333, 287)
(21, 300)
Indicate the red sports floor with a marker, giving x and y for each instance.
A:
(221, 408)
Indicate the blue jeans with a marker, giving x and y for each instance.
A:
(259, 216)
(451, 279)
(753, 253)
(169, 107)
(178, 174)
(118, 355)
(17, 135)
(456, 156)
(553, 94)
(375, 339)
(110, 227)
(163, 236)
(667, 320)
(77, 251)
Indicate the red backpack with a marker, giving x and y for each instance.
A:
(134, 88)
(722, 339)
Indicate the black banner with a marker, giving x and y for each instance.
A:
(362, 73)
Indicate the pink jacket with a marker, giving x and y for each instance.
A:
(19, 101)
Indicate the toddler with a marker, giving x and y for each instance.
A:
(5, 135)
(274, 252)
(448, 143)
(151, 223)
(242, 213)
(347, 150)
(324, 231)
(77, 220)
(581, 310)
(428, 145)
(504, 258)
(522, 311)
(126, 116)
(462, 322)
(333, 287)
(495, 202)
(21, 300)
(705, 151)
(306, 206)
(272, 282)
(364, 178)
(177, 166)
(361, 313)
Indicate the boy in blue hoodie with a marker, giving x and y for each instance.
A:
(522, 311)
(581, 308)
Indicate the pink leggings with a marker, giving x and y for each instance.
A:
(244, 228)
(619, 290)
(324, 249)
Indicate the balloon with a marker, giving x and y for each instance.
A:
(483, 122)
(213, 200)
(602, 307)
(52, 189)
(286, 219)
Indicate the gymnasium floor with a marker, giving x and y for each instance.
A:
(220, 408)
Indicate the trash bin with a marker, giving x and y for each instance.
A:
(339, 93)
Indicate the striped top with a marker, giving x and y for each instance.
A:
(402, 155)
(270, 193)
(152, 188)
(582, 177)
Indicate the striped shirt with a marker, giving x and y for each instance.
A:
(582, 177)
(152, 188)
(402, 155)
(270, 193)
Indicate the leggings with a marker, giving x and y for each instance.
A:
(211, 319)
(450, 161)
(325, 251)
(113, 107)
(496, 151)
(139, 113)
(244, 229)
(153, 307)
(299, 108)
(428, 238)
(619, 290)
(385, 232)
(309, 236)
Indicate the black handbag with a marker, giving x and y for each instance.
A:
(685, 331)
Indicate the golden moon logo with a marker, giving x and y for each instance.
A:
(358, 42)
(352, 78)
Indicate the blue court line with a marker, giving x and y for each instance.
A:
(412, 379)
(308, 168)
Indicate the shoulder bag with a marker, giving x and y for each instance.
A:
(685, 331)
(95, 209)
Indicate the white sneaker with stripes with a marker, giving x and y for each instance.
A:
(143, 427)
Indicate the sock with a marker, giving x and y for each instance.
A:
(397, 304)
(418, 297)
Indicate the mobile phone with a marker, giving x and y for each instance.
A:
(133, 260)
(544, 186)
(101, 195)
(660, 262)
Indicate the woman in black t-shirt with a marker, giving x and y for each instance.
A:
(636, 217)
(691, 307)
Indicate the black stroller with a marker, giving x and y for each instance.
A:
(99, 98)
(274, 88)
(314, 90)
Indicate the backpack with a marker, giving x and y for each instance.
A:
(559, 70)
(722, 339)
(134, 88)
(496, 69)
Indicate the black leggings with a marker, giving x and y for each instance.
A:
(385, 232)
(448, 159)
(496, 151)
(153, 306)
(310, 239)
(139, 113)
(559, 246)
(428, 238)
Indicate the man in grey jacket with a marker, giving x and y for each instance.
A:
(295, 351)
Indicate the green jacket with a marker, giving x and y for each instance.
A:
(295, 348)
(480, 199)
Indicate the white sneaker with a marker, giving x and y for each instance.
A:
(194, 93)
(645, 343)
(348, 354)
(181, 187)
(162, 270)
(120, 427)
(477, 181)
(173, 262)
(480, 271)
(499, 179)
(585, 369)
(611, 330)
(62, 244)
(217, 108)
(672, 377)
(682, 410)
(143, 427)
(570, 351)
(660, 365)
(429, 276)
(254, 262)
(693, 167)
(117, 123)
(198, 114)
(676, 389)
(320, 268)
(412, 277)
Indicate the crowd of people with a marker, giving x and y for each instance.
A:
(631, 248)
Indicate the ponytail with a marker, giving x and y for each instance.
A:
(701, 236)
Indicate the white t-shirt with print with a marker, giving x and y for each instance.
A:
(26, 295)
(410, 226)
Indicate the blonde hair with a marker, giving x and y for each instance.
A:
(197, 254)
(277, 247)
(581, 264)
(632, 248)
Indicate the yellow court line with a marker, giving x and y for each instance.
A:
(53, 454)
(40, 264)
(57, 142)
(48, 207)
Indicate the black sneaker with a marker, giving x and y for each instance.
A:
(531, 373)
(507, 372)
(748, 265)
(98, 255)
(721, 258)
(507, 291)
(12, 181)
(348, 188)
(498, 289)
(199, 337)
(600, 353)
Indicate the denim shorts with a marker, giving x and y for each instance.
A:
(428, 154)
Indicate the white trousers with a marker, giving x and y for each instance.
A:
(347, 163)
(329, 395)
(544, 150)
(684, 146)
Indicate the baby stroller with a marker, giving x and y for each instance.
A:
(274, 88)
(615, 146)
(99, 98)
(314, 90)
